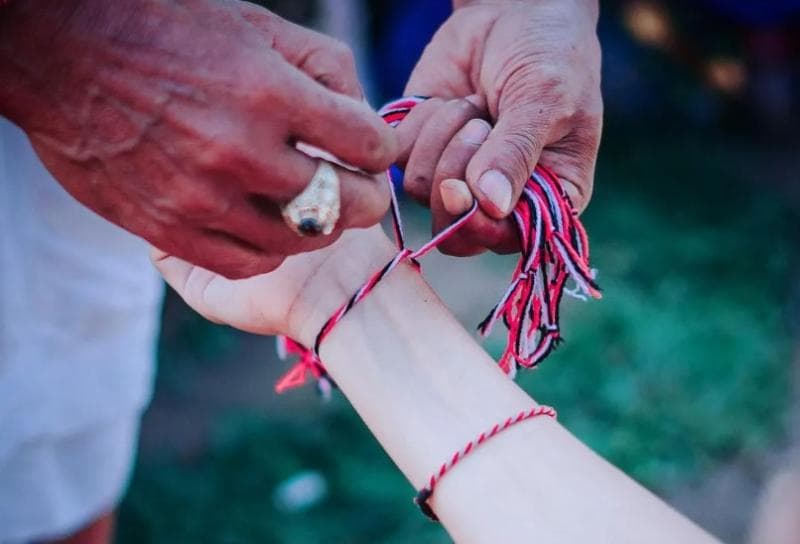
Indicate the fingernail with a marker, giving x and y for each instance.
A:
(574, 194)
(456, 196)
(496, 187)
(475, 100)
(475, 131)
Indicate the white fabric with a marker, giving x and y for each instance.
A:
(79, 305)
(52, 487)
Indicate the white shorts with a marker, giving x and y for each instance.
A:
(54, 486)
(79, 309)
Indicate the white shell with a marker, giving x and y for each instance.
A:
(318, 205)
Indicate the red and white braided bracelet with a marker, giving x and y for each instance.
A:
(424, 494)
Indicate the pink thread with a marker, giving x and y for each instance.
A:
(423, 495)
(554, 247)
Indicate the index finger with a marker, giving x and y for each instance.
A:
(339, 124)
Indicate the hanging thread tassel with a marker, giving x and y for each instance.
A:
(554, 247)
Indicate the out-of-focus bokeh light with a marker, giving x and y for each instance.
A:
(728, 75)
(649, 23)
(301, 491)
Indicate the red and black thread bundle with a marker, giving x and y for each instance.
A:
(554, 247)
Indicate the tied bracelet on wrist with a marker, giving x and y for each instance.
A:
(554, 247)
(423, 495)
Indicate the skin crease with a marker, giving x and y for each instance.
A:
(532, 68)
(177, 120)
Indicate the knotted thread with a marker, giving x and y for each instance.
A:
(553, 245)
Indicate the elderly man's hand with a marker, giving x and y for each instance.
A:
(178, 120)
(531, 68)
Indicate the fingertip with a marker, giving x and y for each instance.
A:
(495, 193)
(456, 196)
(157, 255)
(175, 271)
(576, 196)
(384, 149)
(364, 199)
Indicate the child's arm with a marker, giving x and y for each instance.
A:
(425, 388)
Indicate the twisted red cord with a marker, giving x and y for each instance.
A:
(424, 494)
(553, 245)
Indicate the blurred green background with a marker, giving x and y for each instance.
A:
(681, 375)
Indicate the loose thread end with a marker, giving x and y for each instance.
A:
(421, 500)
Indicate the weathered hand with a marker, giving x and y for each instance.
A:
(530, 68)
(177, 120)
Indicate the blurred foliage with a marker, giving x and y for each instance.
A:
(226, 496)
(187, 341)
(681, 367)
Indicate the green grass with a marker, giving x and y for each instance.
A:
(226, 497)
(681, 367)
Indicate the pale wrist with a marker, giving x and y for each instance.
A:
(336, 276)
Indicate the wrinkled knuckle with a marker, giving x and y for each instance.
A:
(547, 80)
(257, 87)
(198, 205)
(331, 80)
(218, 156)
(591, 141)
(450, 167)
(521, 148)
(554, 82)
(341, 53)
(585, 133)
(593, 121)
(465, 108)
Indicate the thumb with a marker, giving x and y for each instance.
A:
(499, 170)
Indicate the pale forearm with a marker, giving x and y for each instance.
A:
(424, 388)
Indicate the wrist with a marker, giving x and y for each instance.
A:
(337, 273)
